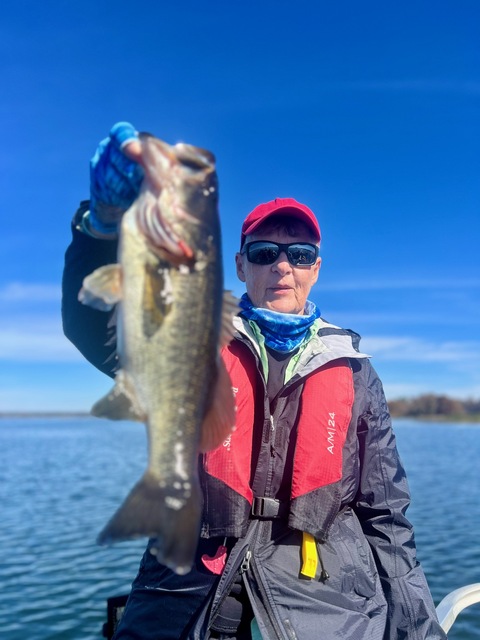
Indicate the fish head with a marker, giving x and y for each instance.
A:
(179, 197)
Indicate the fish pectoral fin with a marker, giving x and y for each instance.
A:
(230, 308)
(120, 403)
(157, 298)
(102, 289)
(219, 421)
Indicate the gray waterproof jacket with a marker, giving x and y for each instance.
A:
(375, 586)
(369, 584)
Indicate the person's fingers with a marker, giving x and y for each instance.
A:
(133, 150)
(122, 133)
(124, 136)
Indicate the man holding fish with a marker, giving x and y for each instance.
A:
(274, 498)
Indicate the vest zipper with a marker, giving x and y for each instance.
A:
(271, 445)
(272, 437)
(271, 461)
(245, 566)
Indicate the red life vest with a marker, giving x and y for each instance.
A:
(324, 416)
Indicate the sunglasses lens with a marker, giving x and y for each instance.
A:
(299, 254)
(262, 253)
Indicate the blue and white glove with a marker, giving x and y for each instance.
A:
(115, 180)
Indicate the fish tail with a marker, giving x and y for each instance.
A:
(151, 510)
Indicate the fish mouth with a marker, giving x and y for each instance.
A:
(151, 222)
(161, 235)
(165, 165)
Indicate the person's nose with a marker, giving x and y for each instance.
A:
(281, 264)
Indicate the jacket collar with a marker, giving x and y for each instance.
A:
(329, 344)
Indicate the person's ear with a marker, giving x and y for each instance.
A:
(317, 267)
(239, 266)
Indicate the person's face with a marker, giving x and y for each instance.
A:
(279, 286)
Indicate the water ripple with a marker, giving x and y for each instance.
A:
(61, 480)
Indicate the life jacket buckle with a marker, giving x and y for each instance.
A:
(269, 508)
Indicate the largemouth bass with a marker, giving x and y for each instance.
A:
(168, 285)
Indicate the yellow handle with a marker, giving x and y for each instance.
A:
(309, 556)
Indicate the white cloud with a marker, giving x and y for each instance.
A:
(35, 339)
(395, 390)
(405, 390)
(404, 348)
(368, 284)
(50, 395)
(364, 321)
(30, 292)
(31, 326)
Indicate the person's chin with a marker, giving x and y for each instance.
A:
(282, 304)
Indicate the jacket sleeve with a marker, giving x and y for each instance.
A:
(381, 503)
(93, 332)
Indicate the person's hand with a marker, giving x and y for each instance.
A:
(115, 178)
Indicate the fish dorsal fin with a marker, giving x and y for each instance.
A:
(230, 308)
(219, 421)
(121, 402)
(102, 289)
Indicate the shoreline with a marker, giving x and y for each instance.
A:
(460, 419)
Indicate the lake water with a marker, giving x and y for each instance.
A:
(61, 479)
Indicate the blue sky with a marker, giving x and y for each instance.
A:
(366, 111)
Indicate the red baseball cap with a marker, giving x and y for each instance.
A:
(287, 206)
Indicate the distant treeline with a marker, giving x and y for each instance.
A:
(434, 405)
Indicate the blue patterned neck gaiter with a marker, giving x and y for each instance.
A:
(283, 332)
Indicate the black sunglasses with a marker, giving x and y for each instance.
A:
(265, 252)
